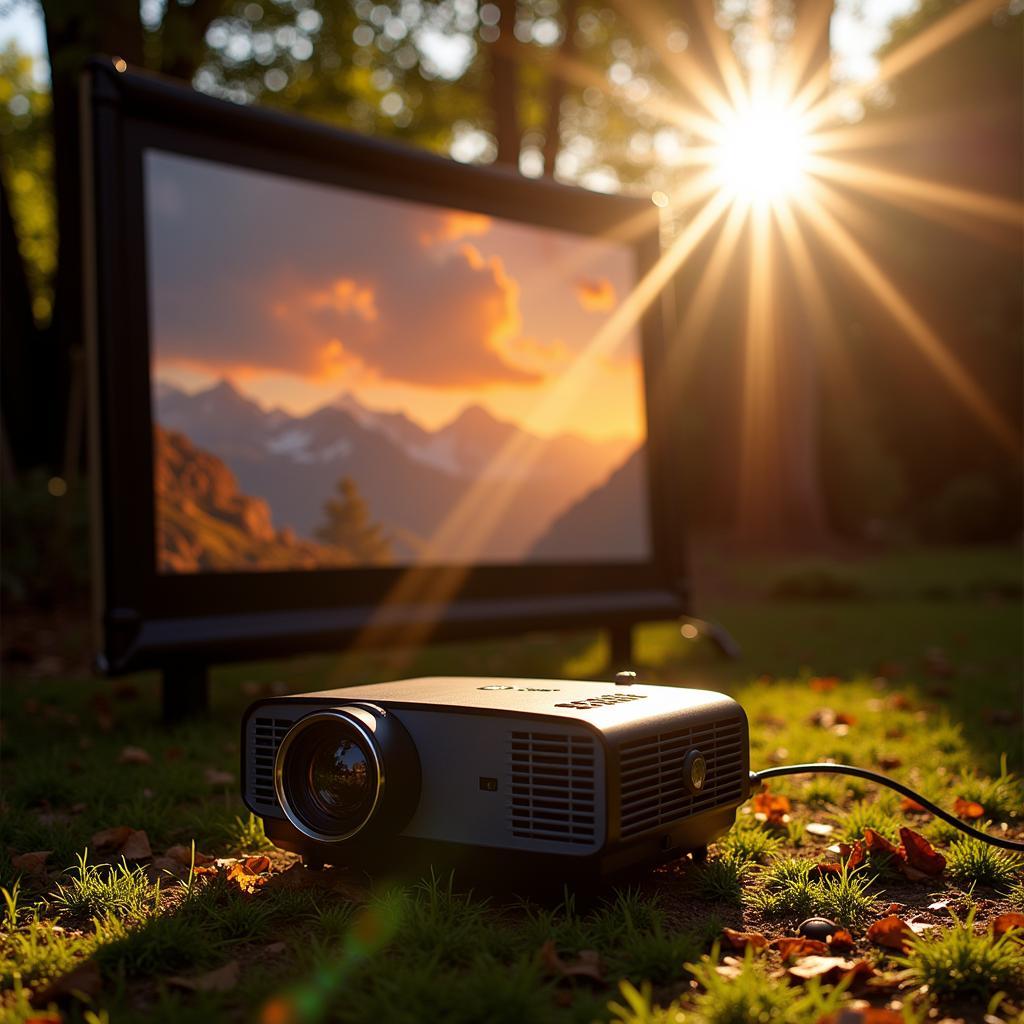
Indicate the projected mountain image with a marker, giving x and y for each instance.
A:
(407, 478)
(343, 380)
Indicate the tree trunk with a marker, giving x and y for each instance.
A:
(505, 88)
(556, 92)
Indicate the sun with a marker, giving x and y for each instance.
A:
(761, 152)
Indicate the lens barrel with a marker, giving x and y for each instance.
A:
(344, 772)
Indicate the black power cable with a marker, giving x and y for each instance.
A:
(884, 780)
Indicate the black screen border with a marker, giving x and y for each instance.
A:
(148, 619)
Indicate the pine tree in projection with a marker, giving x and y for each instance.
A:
(348, 525)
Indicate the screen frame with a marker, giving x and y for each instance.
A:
(147, 619)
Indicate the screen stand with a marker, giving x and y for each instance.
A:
(620, 639)
(184, 692)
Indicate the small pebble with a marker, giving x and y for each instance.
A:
(820, 928)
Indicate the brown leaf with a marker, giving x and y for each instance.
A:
(83, 980)
(920, 854)
(110, 840)
(887, 762)
(215, 777)
(134, 755)
(771, 808)
(841, 941)
(223, 979)
(740, 940)
(856, 855)
(1006, 922)
(823, 684)
(908, 806)
(789, 948)
(136, 847)
(31, 863)
(250, 874)
(969, 810)
(183, 855)
(891, 932)
(863, 1015)
(586, 966)
(831, 969)
(876, 843)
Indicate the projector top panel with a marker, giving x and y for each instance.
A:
(606, 706)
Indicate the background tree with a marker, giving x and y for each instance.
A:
(347, 525)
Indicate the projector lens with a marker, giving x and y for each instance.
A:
(328, 775)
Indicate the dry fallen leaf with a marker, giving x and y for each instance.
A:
(586, 966)
(250, 874)
(1006, 922)
(909, 806)
(109, 840)
(134, 755)
(891, 932)
(969, 810)
(31, 863)
(920, 854)
(215, 777)
(831, 970)
(223, 979)
(876, 843)
(863, 1015)
(136, 847)
(771, 808)
(841, 941)
(183, 855)
(789, 948)
(887, 762)
(823, 684)
(741, 940)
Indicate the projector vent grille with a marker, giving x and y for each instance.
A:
(267, 736)
(652, 790)
(552, 787)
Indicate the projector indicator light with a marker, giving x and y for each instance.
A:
(695, 771)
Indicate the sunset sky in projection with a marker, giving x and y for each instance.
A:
(298, 292)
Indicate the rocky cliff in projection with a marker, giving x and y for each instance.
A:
(610, 522)
(205, 523)
(416, 482)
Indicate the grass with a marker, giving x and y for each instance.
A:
(431, 950)
(969, 861)
(100, 889)
(961, 964)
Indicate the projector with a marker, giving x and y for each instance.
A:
(571, 781)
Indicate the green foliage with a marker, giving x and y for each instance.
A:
(790, 889)
(100, 890)
(247, 835)
(347, 525)
(748, 841)
(867, 814)
(751, 995)
(35, 953)
(1015, 897)
(26, 163)
(722, 877)
(959, 964)
(972, 862)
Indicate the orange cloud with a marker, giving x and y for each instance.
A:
(345, 296)
(456, 224)
(596, 295)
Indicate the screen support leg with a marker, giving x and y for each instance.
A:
(184, 692)
(621, 646)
